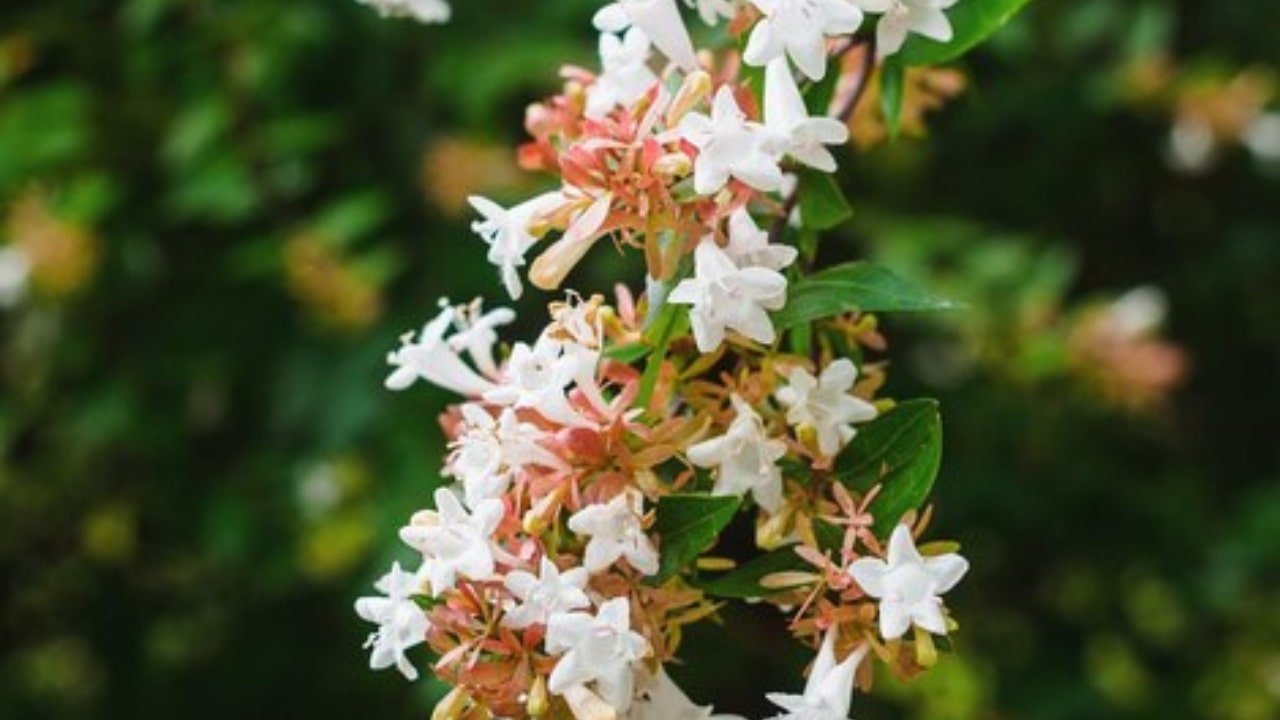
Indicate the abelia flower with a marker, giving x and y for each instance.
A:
(476, 334)
(829, 689)
(454, 542)
(729, 145)
(659, 19)
(798, 29)
(508, 235)
(825, 405)
(424, 11)
(488, 452)
(661, 699)
(795, 132)
(908, 585)
(901, 17)
(539, 376)
(725, 297)
(749, 246)
(600, 648)
(401, 623)
(625, 75)
(745, 459)
(713, 11)
(432, 358)
(616, 532)
(541, 596)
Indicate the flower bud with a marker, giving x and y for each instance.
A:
(675, 164)
(451, 706)
(696, 86)
(538, 702)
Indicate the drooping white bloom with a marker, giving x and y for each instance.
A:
(625, 75)
(790, 126)
(729, 145)
(488, 452)
(401, 623)
(432, 358)
(824, 403)
(726, 297)
(15, 268)
(477, 335)
(615, 531)
(924, 17)
(749, 246)
(508, 235)
(659, 19)
(538, 377)
(713, 11)
(829, 689)
(425, 11)
(598, 648)
(745, 459)
(549, 593)
(454, 542)
(908, 585)
(799, 28)
(659, 698)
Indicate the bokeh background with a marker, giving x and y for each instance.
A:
(216, 217)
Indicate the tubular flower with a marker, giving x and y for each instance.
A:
(824, 404)
(908, 585)
(724, 297)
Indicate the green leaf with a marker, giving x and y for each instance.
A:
(901, 450)
(687, 525)
(972, 21)
(744, 581)
(822, 204)
(666, 325)
(892, 81)
(628, 353)
(854, 286)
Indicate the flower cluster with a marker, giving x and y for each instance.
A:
(596, 467)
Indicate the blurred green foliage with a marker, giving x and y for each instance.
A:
(199, 470)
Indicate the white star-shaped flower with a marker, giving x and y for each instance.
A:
(424, 11)
(799, 28)
(749, 246)
(661, 22)
(432, 358)
(507, 233)
(625, 75)
(924, 17)
(615, 531)
(401, 623)
(476, 333)
(549, 593)
(745, 459)
(488, 452)
(908, 585)
(724, 297)
(796, 133)
(829, 689)
(454, 542)
(598, 648)
(729, 145)
(538, 377)
(824, 404)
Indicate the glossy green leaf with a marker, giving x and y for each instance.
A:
(744, 580)
(822, 204)
(901, 450)
(972, 21)
(892, 83)
(686, 525)
(855, 286)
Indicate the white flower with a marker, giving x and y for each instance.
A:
(829, 690)
(745, 458)
(796, 133)
(433, 358)
(401, 623)
(712, 11)
(507, 233)
(426, 11)
(798, 28)
(549, 593)
(824, 404)
(908, 585)
(749, 246)
(615, 532)
(659, 19)
(15, 268)
(476, 333)
(538, 377)
(625, 75)
(726, 297)
(454, 542)
(729, 145)
(924, 17)
(488, 452)
(661, 699)
(599, 648)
